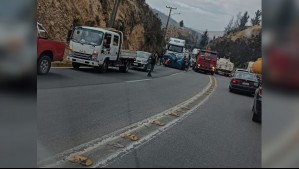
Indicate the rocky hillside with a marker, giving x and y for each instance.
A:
(241, 47)
(142, 29)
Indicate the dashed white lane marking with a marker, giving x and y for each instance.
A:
(134, 81)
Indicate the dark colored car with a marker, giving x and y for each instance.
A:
(244, 82)
(257, 106)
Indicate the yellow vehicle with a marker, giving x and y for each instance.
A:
(257, 67)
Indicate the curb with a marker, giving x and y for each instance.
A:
(61, 64)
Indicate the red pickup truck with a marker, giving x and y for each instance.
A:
(47, 51)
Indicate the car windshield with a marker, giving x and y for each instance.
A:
(247, 76)
(144, 55)
(174, 48)
(87, 36)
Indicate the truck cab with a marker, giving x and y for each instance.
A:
(98, 47)
(206, 61)
(175, 46)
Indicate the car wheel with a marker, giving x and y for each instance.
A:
(145, 68)
(44, 65)
(76, 65)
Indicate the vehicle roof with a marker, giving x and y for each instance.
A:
(99, 29)
(242, 70)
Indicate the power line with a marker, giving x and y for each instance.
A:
(114, 12)
(170, 10)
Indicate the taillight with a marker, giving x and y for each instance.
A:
(234, 81)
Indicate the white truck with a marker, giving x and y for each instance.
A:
(176, 46)
(100, 48)
(224, 66)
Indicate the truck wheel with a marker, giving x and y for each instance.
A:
(44, 65)
(76, 65)
(124, 68)
(212, 73)
(104, 67)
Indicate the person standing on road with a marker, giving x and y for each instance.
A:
(161, 57)
(153, 59)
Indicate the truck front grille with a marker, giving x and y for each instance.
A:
(82, 56)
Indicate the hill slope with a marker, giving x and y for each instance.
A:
(140, 26)
(241, 47)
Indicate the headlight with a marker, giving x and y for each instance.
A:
(256, 84)
(71, 51)
(94, 55)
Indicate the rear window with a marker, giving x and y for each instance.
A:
(247, 76)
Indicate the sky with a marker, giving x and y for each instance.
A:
(212, 15)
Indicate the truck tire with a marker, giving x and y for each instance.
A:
(145, 68)
(76, 66)
(44, 65)
(125, 68)
(104, 67)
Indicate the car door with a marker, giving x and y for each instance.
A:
(115, 47)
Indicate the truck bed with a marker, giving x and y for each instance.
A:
(128, 54)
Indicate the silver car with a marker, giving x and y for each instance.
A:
(142, 60)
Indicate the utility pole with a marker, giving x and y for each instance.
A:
(170, 10)
(114, 12)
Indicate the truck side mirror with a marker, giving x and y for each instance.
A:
(43, 35)
(69, 34)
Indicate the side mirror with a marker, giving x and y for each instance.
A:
(43, 35)
(69, 34)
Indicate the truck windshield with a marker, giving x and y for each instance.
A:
(174, 48)
(87, 36)
(209, 55)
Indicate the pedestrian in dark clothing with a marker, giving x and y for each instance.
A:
(153, 59)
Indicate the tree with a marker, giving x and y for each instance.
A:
(204, 40)
(182, 23)
(237, 23)
(243, 21)
(228, 29)
(257, 19)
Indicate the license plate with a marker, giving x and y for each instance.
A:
(246, 84)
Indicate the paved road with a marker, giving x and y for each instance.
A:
(219, 134)
(75, 107)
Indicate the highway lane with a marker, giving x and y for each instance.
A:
(75, 107)
(219, 134)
